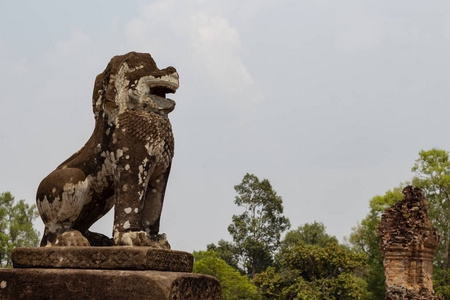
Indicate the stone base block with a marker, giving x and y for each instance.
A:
(117, 258)
(105, 284)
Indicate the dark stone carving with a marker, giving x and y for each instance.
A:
(408, 241)
(122, 258)
(190, 287)
(125, 163)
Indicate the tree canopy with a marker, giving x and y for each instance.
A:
(432, 170)
(16, 226)
(228, 252)
(257, 231)
(313, 272)
(310, 264)
(310, 233)
(234, 285)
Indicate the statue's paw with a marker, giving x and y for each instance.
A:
(71, 238)
(132, 238)
(159, 241)
(141, 238)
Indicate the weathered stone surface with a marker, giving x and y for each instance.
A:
(125, 163)
(121, 258)
(105, 284)
(408, 241)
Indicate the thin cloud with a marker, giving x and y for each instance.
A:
(205, 38)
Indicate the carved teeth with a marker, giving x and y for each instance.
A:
(169, 82)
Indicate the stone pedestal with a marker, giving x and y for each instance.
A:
(104, 273)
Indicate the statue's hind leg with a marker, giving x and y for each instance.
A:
(60, 199)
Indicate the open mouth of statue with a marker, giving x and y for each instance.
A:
(167, 84)
(161, 90)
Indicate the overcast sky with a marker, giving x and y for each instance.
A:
(329, 100)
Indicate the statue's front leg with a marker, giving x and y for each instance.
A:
(153, 204)
(130, 179)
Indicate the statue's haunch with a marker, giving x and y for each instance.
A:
(125, 163)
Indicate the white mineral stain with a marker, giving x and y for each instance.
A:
(119, 153)
(141, 171)
(126, 225)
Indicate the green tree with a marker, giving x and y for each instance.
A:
(16, 226)
(364, 239)
(257, 231)
(234, 285)
(432, 170)
(309, 233)
(313, 272)
(228, 252)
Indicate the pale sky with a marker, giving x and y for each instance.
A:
(329, 100)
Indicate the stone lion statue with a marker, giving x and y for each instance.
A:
(125, 163)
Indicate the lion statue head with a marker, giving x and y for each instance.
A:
(133, 81)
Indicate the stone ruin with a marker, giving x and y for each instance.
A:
(408, 241)
(125, 164)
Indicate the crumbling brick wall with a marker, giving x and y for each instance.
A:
(408, 241)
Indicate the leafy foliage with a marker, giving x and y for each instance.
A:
(16, 226)
(313, 272)
(433, 177)
(228, 252)
(257, 231)
(234, 285)
(311, 234)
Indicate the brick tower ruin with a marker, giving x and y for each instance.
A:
(408, 241)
